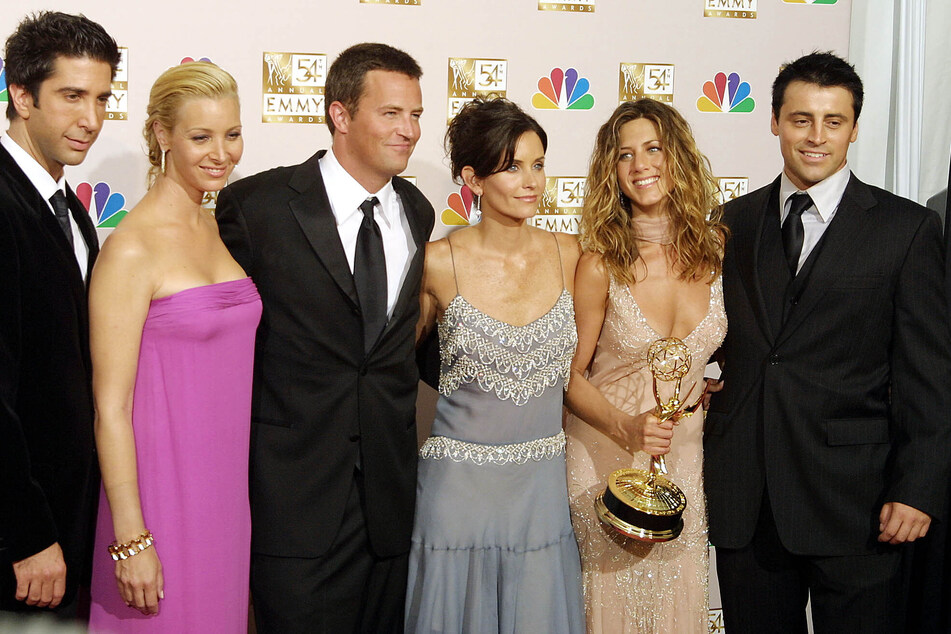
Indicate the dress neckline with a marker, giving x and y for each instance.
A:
(202, 286)
(700, 323)
(461, 299)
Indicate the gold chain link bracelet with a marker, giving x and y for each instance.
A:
(131, 548)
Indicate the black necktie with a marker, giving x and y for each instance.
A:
(792, 229)
(61, 209)
(369, 275)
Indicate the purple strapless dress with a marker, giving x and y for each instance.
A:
(191, 417)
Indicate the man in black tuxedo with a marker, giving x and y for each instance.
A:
(828, 447)
(335, 246)
(59, 72)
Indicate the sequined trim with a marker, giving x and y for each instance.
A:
(514, 362)
(709, 333)
(439, 447)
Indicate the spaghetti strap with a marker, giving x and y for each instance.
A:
(561, 265)
(452, 258)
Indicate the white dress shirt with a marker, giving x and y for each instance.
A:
(346, 195)
(46, 186)
(826, 196)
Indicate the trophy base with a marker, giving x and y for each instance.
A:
(643, 505)
(636, 532)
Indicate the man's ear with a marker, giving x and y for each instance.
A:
(340, 117)
(22, 99)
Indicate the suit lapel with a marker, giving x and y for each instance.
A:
(312, 210)
(836, 253)
(409, 291)
(748, 231)
(34, 204)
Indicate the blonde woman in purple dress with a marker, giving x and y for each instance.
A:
(173, 319)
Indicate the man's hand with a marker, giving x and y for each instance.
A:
(713, 385)
(900, 523)
(41, 578)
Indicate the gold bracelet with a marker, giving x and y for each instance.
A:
(131, 548)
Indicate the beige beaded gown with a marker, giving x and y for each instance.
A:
(633, 586)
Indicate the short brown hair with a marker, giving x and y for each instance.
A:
(41, 38)
(346, 76)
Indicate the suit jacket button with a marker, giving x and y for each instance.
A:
(774, 359)
(354, 437)
(363, 371)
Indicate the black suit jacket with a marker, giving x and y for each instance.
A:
(50, 478)
(320, 403)
(845, 405)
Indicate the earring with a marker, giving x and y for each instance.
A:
(163, 160)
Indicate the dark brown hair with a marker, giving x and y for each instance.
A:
(346, 76)
(484, 134)
(32, 49)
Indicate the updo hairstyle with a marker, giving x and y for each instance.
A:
(483, 136)
(191, 80)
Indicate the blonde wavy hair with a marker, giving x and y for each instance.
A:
(191, 80)
(693, 203)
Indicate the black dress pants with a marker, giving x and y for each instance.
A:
(764, 587)
(350, 589)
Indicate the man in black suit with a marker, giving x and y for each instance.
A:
(59, 72)
(828, 447)
(333, 446)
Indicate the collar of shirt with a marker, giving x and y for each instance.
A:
(38, 176)
(346, 194)
(826, 195)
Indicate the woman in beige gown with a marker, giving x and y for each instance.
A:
(651, 269)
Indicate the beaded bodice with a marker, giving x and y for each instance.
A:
(514, 362)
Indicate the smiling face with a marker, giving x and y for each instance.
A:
(60, 126)
(815, 126)
(513, 193)
(204, 145)
(374, 143)
(642, 167)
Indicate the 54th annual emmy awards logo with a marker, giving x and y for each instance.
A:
(732, 187)
(655, 81)
(729, 9)
(470, 78)
(584, 6)
(117, 108)
(560, 206)
(293, 87)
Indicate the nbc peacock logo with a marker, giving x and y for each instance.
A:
(3, 83)
(185, 60)
(107, 206)
(563, 90)
(726, 94)
(460, 212)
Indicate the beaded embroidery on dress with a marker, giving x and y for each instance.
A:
(493, 549)
(633, 586)
(514, 362)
